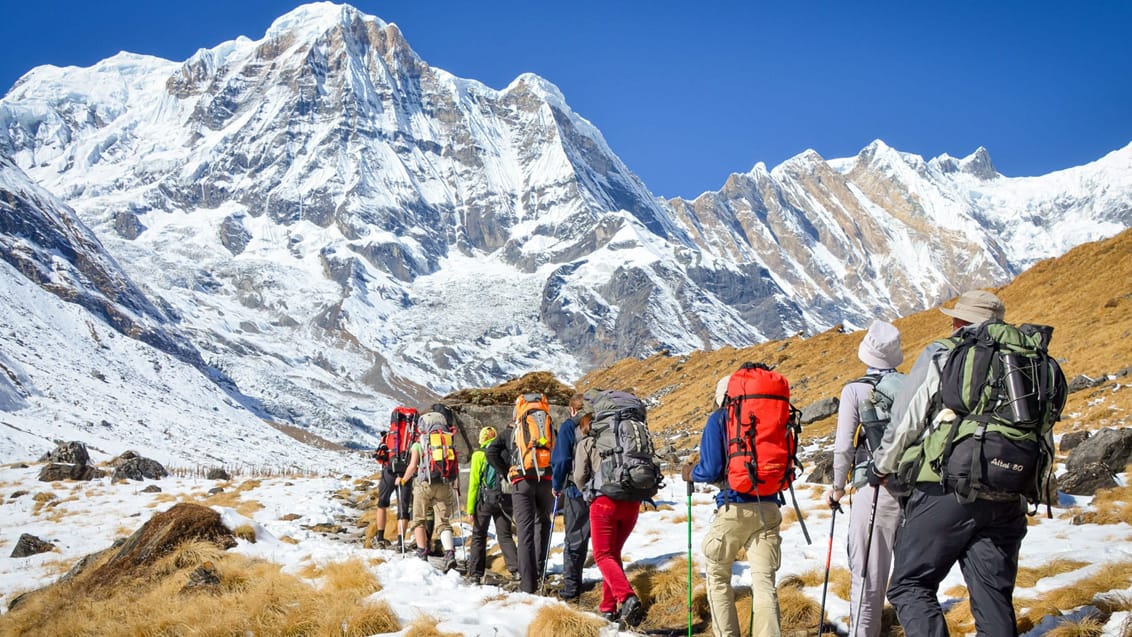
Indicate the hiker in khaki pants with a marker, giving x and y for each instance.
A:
(741, 520)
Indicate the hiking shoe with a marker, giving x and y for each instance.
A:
(449, 561)
(632, 611)
(422, 553)
(474, 579)
(515, 577)
(569, 598)
(401, 545)
(610, 616)
(381, 543)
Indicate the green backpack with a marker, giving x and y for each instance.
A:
(1000, 395)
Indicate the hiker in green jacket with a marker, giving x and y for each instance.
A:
(487, 502)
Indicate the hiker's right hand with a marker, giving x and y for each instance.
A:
(833, 497)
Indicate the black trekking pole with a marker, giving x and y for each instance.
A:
(690, 488)
(549, 538)
(865, 569)
(836, 506)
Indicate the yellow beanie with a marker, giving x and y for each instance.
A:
(487, 434)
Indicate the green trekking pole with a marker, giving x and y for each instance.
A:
(690, 485)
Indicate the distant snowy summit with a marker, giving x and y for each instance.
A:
(342, 227)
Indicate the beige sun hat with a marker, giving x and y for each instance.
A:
(880, 348)
(976, 306)
(721, 390)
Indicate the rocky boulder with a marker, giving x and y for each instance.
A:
(73, 452)
(1110, 447)
(820, 410)
(158, 537)
(1086, 480)
(57, 472)
(217, 473)
(29, 545)
(1072, 440)
(822, 468)
(139, 468)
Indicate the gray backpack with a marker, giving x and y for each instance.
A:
(628, 469)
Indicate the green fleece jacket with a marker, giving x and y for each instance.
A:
(475, 475)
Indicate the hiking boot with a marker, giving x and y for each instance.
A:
(422, 553)
(632, 611)
(570, 597)
(515, 577)
(474, 579)
(401, 545)
(381, 544)
(611, 616)
(449, 561)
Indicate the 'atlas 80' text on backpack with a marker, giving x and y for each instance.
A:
(628, 469)
(438, 453)
(534, 436)
(402, 434)
(762, 432)
(874, 413)
(1005, 393)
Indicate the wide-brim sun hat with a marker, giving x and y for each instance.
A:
(976, 306)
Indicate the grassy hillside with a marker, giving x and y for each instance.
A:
(1086, 295)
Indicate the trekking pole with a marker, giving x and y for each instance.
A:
(836, 506)
(865, 569)
(690, 485)
(549, 537)
(801, 519)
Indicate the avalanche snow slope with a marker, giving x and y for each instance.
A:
(69, 376)
(86, 356)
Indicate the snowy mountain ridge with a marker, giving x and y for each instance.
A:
(336, 227)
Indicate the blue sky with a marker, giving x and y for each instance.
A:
(690, 92)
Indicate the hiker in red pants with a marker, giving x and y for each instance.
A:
(611, 522)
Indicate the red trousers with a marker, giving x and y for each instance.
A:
(611, 522)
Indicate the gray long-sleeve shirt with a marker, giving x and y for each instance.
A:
(910, 415)
(848, 418)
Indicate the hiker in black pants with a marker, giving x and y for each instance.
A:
(532, 502)
(488, 503)
(577, 511)
(983, 535)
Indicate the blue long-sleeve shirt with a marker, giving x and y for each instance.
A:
(712, 467)
(562, 459)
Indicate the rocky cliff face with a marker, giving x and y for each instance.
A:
(342, 227)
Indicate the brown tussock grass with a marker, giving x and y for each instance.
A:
(796, 611)
(1110, 506)
(956, 591)
(42, 499)
(245, 532)
(840, 580)
(1086, 627)
(1110, 577)
(252, 597)
(664, 593)
(560, 620)
(959, 618)
(425, 626)
(1029, 576)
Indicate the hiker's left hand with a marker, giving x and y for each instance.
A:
(833, 497)
(686, 471)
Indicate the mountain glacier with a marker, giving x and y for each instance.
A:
(333, 226)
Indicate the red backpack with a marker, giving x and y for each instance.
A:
(402, 434)
(762, 431)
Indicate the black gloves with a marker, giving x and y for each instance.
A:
(875, 479)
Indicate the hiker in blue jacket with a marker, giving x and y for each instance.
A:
(575, 509)
(741, 521)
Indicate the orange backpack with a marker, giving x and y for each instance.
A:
(762, 432)
(402, 434)
(534, 436)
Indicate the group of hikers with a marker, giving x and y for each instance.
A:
(945, 459)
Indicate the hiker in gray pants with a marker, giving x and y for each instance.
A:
(880, 352)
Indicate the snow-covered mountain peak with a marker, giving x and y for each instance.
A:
(312, 20)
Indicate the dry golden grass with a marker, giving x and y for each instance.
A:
(959, 618)
(1028, 576)
(425, 626)
(840, 580)
(1110, 577)
(245, 532)
(664, 593)
(796, 611)
(1110, 506)
(253, 597)
(560, 620)
(42, 499)
(1090, 314)
(956, 591)
(1087, 627)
